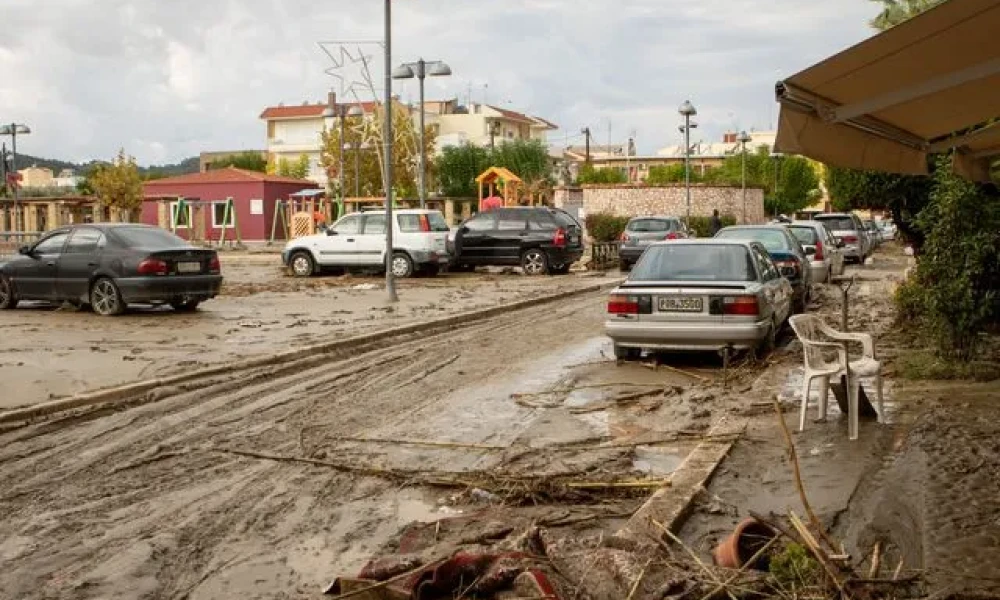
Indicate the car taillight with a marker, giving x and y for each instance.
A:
(671, 236)
(819, 250)
(560, 237)
(740, 305)
(153, 266)
(425, 223)
(850, 239)
(214, 265)
(621, 304)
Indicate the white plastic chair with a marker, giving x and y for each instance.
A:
(816, 336)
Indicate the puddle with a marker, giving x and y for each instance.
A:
(659, 460)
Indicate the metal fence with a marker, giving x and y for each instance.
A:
(604, 255)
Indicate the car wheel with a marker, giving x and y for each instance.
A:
(8, 299)
(185, 305)
(560, 270)
(402, 265)
(105, 298)
(534, 262)
(799, 305)
(769, 342)
(302, 264)
(625, 353)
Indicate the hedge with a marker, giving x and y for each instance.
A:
(608, 228)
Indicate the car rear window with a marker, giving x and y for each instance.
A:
(805, 235)
(564, 219)
(694, 262)
(838, 223)
(772, 239)
(148, 237)
(649, 225)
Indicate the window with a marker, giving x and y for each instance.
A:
(772, 239)
(348, 225)
(374, 225)
(482, 222)
(805, 235)
(180, 220)
(512, 220)
(84, 241)
(838, 223)
(690, 262)
(256, 206)
(765, 265)
(53, 244)
(648, 225)
(540, 221)
(150, 238)
(219, 215)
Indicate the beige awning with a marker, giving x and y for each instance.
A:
(927, 85)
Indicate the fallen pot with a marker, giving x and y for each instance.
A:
(749, 537)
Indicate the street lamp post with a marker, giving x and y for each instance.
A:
(687, 110)
(743, 139)
(777, 156)
(390, 281)
(12, 130)
(341, 112)
(420, 70)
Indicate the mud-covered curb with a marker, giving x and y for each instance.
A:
(124, 392)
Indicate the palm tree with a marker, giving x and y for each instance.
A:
(895, 12)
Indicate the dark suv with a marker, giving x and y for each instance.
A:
(539, 239)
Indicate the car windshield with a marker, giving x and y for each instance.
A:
(805, 235)
(648, 225)
(149, 237)
(773, 239)
(838, 223)
(694, 262)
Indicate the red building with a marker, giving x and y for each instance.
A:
(254, 195)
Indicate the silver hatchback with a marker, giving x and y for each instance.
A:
(699, 295)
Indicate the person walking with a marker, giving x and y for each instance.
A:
(716, 224)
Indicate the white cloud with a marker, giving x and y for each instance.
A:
(169, 79)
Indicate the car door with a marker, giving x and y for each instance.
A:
(509, 236)
(472, 239)
(35, 278)
(370, 244)
(339, 247)
(777, 289)
(80, 258)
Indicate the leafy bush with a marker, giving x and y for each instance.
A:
(702, 226)
(588, 174)
(605, 228)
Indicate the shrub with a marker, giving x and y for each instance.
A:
(605, 228)
(588, 174)
(702, 226)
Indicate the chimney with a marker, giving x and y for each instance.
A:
(729, 137)
(331, 99)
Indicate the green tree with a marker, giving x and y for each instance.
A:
(118, 184)
(664, 174)
(297, 169)
(895, 12)
(363, 148)
(458, 166)
(528, 159)
(588, 174)
(250, 161)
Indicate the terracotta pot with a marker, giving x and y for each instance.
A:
(746, 540)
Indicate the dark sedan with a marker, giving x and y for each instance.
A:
(108, 267)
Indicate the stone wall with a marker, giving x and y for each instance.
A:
(630, 200)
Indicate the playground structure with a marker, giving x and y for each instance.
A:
(301, 214)
(175, 213)
(499, 179)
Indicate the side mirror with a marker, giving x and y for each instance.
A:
(810, 251)
(463, 229)
(331, 231)
(25, 250)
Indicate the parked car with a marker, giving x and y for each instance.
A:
(874, 233)
(699, 295)
(109, 266)
(787, 252)
(539, 239)
(640, 232)
(847, 228)
(826, 258)
(358, 240)
(888, 230)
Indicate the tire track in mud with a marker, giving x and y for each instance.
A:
(138, 487)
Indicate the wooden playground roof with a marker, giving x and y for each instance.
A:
(494, 173)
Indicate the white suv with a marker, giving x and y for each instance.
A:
(419, 239)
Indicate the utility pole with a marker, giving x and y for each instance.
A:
(586, 132)
(494, 129)
(390, 281)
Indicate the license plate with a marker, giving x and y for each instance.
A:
(189, 267)
(679, 304)
(574, 239)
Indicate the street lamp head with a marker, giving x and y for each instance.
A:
(23, 129)
(403, 72)
(439, 69)
(687, 109)
(744, 138)
(6, 130)
(329, 113)
(355, 111)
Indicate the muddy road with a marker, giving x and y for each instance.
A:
(190, 495)
(48, 353)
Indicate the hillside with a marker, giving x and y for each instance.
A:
(188, 165)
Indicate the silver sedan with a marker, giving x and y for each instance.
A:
(699, 295)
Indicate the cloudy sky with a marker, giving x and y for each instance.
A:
(167, 79)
